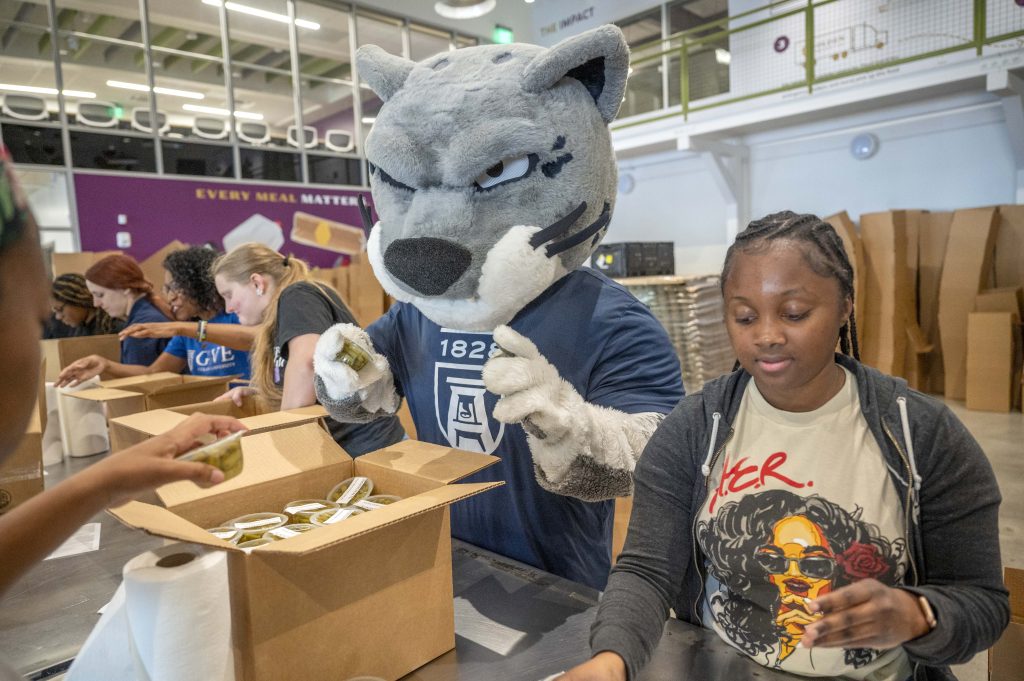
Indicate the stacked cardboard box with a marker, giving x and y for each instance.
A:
(358, 287)
(60, 352)
(381, 581)
(21, 473)
(124, 396)
(76, 263)
(1006, 657)
(691, 310)
(126, 431)
(966, 271)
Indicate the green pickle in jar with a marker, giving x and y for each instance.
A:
(228, 534)
(301, 510)
(348, 492)
(289, 531)
(376, 501)
(255, 525)
(334, 515)
(225, 454)
(352, 355)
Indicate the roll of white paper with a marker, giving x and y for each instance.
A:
(83, 424)
(53, 445)
(173, 622)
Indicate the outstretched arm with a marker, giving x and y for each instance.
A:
(579, 449)
(34, 529)
(234, 336)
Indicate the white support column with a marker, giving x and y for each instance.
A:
(1010, 88)
(728, 165)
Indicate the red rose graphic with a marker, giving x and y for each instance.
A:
(862, 561)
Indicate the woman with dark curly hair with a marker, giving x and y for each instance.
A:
(196, 307)
(818, 515)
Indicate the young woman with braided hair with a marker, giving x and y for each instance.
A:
(818, 515)
(72, 305)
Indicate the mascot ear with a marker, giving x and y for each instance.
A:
(383, 72)
(598, 58)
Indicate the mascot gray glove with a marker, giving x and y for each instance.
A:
(350, 396)
(579, 449)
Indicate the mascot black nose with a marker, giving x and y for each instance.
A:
(426, 264)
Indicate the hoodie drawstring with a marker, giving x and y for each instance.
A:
(905, 421)
(705, 467)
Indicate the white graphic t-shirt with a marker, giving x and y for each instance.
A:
(799, 504)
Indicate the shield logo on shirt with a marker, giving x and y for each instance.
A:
(464, 407)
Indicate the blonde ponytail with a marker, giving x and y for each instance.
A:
(238, 266)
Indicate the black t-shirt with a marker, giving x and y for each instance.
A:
(306, 308)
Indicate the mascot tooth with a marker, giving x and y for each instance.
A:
(493, 177)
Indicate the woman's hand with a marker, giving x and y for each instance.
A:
(157, 330)
(124, 475)
(82, 370)
(866, 614)
(237, 395)
(606, 666)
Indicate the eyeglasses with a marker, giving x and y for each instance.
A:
(816, 567)
(58, 309)
(171, 289)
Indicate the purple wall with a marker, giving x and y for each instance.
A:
(160, 210)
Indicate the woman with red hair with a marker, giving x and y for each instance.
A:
(120, 289)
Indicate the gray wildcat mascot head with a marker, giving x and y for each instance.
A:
(492, 171)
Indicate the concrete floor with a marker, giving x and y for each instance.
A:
(1002, 438)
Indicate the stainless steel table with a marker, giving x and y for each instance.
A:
(512, 621)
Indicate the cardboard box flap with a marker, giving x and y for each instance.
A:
(150, 422)
(161, 522)
(1014, 579)
(105, 394)
(443, 464)
(381, 517)
(191, 382)
(277, 419)
(150, 381)
(266, 456)
(220, 407)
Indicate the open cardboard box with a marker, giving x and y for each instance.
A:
(124, 396)
(1006, 657)
(371, 595)
(126, 431)
(60, 352)
(21, 473)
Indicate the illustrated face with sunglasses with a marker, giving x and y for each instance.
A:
(801, 565)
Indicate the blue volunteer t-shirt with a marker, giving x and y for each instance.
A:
(210, 359)
(603, 341)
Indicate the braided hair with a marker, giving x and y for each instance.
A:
(823, 252)
(70, 289)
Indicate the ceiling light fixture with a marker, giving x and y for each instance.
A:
(263, 14)
(81, 94)
(369, 120)
(463, 9)
(196, 108)
(187, 94)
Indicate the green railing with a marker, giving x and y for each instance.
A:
(796, 45)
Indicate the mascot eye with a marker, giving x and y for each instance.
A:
(506, 171)
(387, 179)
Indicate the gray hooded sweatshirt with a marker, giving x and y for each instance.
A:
(945, 483)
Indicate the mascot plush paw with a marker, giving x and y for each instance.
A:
(578, 448)
(494, 179)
